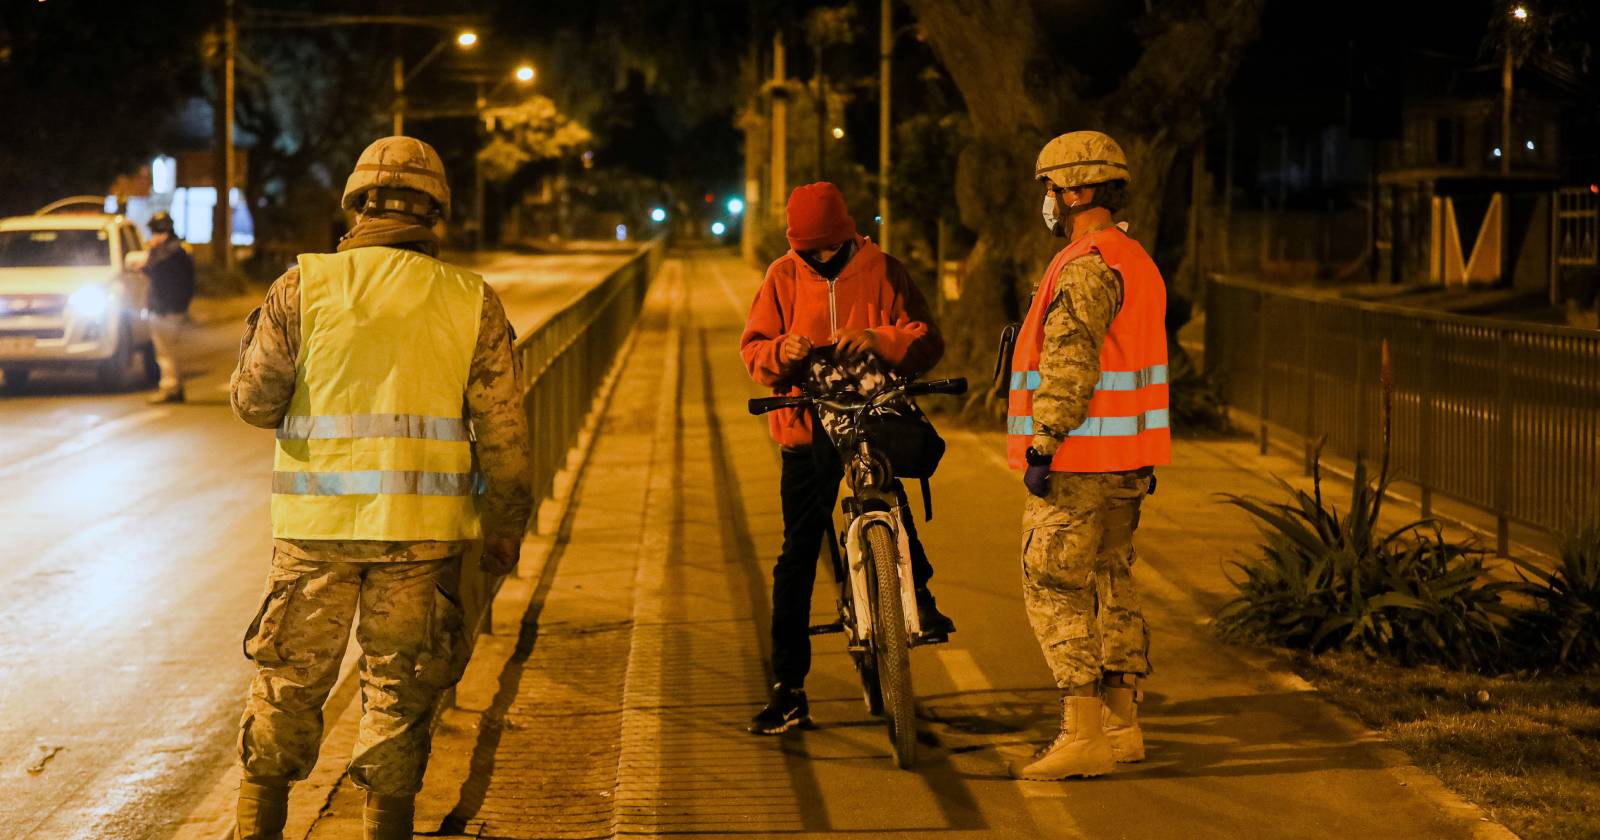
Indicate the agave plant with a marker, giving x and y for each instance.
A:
(1562, 625)
(1328, 581)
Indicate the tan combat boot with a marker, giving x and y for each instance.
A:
(262, 811)
(1121, 721)
(388, 817)
(1080, 749)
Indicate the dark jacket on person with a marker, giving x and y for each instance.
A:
(171, 273)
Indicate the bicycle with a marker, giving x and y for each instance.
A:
(877, 564)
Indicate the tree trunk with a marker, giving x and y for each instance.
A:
(1020, 94)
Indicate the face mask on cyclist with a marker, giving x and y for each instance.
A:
(831, 267)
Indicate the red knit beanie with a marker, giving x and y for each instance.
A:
(818, 218)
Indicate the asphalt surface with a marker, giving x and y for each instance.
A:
(627, 657)
(137, 541)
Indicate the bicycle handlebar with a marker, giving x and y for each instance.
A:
(957, 385)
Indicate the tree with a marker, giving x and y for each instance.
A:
(1029, 70)
(530, 131)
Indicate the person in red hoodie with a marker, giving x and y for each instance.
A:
(833, 287)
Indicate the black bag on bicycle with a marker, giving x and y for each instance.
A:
(898, 430)
(907, 437)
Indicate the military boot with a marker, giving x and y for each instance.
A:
(1080, 749)
(388, 817)
(1121, 721)
(262, 810)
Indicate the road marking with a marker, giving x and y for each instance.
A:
(727, 290)
(963, 669)
(91, 438)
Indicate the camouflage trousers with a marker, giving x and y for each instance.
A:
(412, 648)
(1077, 576)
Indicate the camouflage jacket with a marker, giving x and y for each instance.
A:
(1088, 294)
(263, 383)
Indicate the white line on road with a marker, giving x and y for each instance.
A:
(963, 669)
(91, 438)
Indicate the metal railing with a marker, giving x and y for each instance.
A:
(563, 363)
(1501, 415)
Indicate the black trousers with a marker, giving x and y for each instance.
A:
(809, 487)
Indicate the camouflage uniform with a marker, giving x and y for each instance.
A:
(410, 627)
(1077, 545)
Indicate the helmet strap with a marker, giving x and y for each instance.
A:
(382, 201)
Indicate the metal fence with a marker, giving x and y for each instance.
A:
(1501, 415)
(564, 360)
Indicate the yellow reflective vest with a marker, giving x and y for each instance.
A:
(376, 445)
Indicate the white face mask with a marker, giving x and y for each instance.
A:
(1052, 218)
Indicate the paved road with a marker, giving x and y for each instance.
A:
(137, 539)
(611, 699)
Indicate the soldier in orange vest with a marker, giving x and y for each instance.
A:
(1088, 422)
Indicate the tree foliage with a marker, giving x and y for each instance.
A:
(529, 131)
(1029, 70)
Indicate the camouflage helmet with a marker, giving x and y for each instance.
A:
(1081, 158)
(397, 163)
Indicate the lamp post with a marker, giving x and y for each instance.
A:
(524, 74)
(466, 40)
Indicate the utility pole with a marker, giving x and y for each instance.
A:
(780, 130)
(222, 159)
(885, 49)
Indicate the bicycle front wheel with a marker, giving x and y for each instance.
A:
(893, 652)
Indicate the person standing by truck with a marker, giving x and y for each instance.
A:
(171, 273)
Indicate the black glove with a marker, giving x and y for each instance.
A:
(1037, 478)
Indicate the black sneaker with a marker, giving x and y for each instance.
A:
(936, 626)
(786, 710)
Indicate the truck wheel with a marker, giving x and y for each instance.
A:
(114, 373)
(16, 379)
(152, 370)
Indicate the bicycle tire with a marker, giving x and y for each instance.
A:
(890, 646)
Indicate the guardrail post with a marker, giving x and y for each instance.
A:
(1261, 368)
(1359, 385)
(1309, 432)
(1502, 453)
(1425, 436)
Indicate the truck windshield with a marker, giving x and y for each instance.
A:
(43, 248)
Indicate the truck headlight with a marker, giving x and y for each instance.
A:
(90, 302)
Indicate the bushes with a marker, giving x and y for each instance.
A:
(1329, 582)
(1326, 581)
(1562, 627)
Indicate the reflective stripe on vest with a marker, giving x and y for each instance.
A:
(1157, 418)
(1111, 380)
(375, 482)
(336, 427)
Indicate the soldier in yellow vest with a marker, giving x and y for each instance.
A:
(401, 439)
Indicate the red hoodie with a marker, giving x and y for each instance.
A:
(873, 292)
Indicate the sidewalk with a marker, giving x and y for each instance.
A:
(631, 649)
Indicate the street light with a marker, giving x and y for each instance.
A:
(1520, 13)
(735, 206)
(525, 73)
(467, 39)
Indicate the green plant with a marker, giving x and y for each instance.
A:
(1326, 581)
(1561, 627)
(1330, 581)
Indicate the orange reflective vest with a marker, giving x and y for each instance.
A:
(1128, 422)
